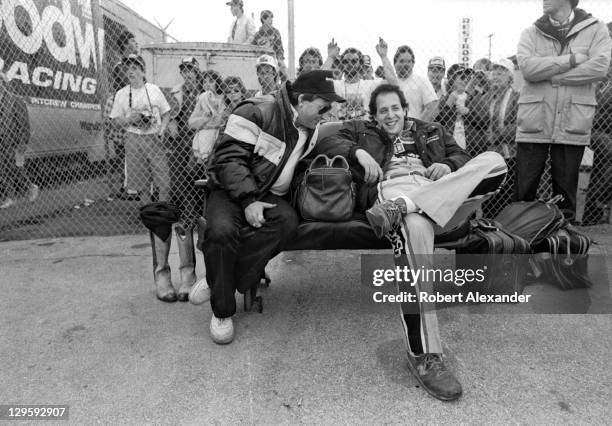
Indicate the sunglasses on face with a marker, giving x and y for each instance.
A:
(325, 109)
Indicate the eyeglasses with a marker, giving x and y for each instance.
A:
(325, 109)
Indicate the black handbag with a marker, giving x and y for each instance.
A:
(532, 220)
(560, 251)
(562, 259)
(327, 191)
(504, 255)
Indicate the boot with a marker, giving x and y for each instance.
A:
(184, 239)
(161, 269)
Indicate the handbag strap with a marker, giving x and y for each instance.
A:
(339, 162)
(321, 158)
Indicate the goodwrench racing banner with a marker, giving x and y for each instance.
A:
(51, 51)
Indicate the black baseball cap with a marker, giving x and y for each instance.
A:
(319, 83)
(134, 59)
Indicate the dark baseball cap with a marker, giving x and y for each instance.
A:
(134, 59)
(319, 83)
(235, 3)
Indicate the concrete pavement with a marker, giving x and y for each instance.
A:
(80, 325)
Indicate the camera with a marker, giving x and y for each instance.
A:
(146, 120)
(145, 117)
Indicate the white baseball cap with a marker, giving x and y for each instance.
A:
(504, 63)
(267, 60)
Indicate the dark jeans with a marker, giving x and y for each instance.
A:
(565, 164)
(236, 253)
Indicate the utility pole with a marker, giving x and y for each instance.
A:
(291, 45)
(490, 37)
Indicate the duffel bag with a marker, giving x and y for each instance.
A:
(532, 220)
(502, 254)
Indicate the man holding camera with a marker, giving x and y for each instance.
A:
(142, 110)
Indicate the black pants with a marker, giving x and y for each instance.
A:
(565, 164)
(235, 253)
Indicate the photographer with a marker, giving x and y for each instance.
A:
(142, 110)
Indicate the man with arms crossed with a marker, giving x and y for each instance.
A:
(561, 55)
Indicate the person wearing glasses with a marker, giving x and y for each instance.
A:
(412, 178)
(353, 86)
(249, 217)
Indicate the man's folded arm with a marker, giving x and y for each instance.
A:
(233, 155)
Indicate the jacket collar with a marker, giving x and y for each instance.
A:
(582, 20)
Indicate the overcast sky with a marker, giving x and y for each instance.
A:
(430, 27)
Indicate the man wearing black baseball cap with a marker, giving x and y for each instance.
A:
(249, 218)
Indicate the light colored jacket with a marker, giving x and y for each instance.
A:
(557, 102)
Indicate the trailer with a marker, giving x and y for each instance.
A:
(237, 60)
(58, 55)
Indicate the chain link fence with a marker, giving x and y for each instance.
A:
(69, 169)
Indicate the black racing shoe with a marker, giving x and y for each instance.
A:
(384, 217)
(432, 374)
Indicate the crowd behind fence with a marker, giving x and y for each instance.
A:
(68, 193)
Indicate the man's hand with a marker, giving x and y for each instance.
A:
(382, 48)
(580, 58)
(437, 170)
(254, 213)
(333, 50)
(373, 172)
(451, 100)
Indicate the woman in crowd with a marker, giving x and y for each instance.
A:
(454, 106)
(206, 118)
(311, 59)
(235, 92)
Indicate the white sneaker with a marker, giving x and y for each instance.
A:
(221, 330)
(7, 203)
(200, 292)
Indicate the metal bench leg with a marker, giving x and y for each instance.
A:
(265, 280)
(253, 302)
